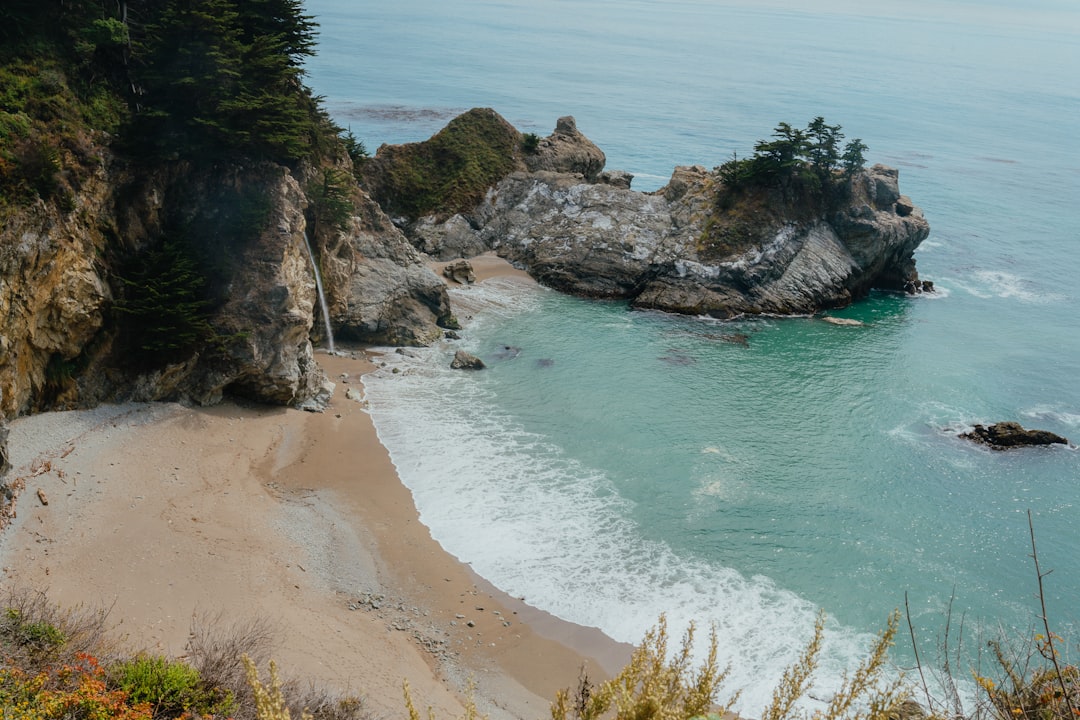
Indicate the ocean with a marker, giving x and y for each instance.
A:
(613, 465)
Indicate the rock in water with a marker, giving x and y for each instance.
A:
(466, 361)
(683, 248)
(1005, 435)
(507, 352)
(849, 322)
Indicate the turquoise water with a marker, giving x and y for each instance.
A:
(650, 464)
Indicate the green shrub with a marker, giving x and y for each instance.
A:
(35, 635)
(448, 173)
(14, 124)
(530, 143)
(171, 687)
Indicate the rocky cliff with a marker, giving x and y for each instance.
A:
(65, 340)
(688, 247)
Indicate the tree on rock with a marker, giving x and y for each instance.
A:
(811, 157)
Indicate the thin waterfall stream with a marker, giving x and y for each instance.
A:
(322, 295)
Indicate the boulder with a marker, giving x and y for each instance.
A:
(447, 239)
(460, 271)
(321, 399)
(567, 150)
(465, 361)
(618, 178)
(1005, 435)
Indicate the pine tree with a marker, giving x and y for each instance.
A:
(222, 78)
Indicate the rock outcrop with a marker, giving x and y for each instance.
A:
(53, 294)
(460, 271)
(567, 150)
(1006, 435)
(694, 246)
(602, 240)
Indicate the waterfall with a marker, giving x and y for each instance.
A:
(322, 295)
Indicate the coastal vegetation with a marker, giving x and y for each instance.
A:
(200, 103)
(797, 174)
(448, 173)
(63, 665)
(205, 81)
(811, 157)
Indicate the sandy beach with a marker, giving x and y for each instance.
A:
(166, 514)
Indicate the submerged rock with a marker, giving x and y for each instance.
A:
(507, 352)
(848, 322)
(1005, 435)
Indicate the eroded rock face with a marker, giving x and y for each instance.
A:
(4, 463)
(263, 323)
(379, 289)
(52, 294)
(58, 335)
(269, 310)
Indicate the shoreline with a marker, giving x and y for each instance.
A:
(166, 513)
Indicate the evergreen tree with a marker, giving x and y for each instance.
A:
(222, 78)
(776, 160)
(824, 145)
(283, 20)
(853, 159)
(190, 66)
(165, 306)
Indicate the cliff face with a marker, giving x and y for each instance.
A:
(62, 339)
(52, 293)
(680, 249)
(378, 288)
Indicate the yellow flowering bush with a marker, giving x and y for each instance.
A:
(75, 691)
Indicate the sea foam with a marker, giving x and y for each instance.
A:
(545, 527)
